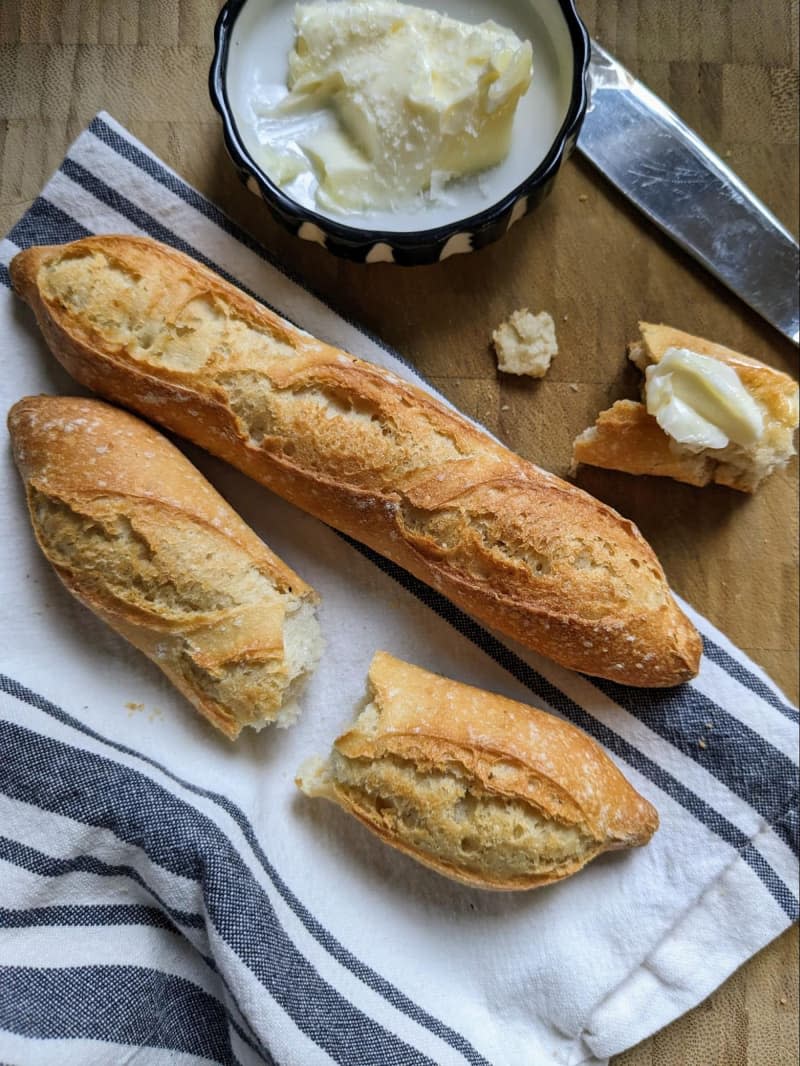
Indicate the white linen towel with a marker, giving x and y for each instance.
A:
(162, 889)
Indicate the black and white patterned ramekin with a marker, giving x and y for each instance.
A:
(411, 248)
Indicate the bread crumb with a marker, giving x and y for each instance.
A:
(505, 407)
(583, 198)
(573, 386)
(133, 707)
(526, 343)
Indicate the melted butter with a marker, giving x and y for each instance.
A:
(701, 402)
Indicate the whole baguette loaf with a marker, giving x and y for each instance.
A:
(370, 454)
(139, 536)
(478, 787)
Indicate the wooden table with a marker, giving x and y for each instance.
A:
(729, 67)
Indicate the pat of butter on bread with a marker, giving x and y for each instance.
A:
(711, 415)
(701, 402)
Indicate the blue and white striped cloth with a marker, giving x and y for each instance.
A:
(163, 889)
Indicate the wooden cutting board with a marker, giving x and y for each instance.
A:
(729, 68)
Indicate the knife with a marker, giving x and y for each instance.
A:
(680, 184)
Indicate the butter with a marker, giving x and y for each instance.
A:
(282, 166)
(701, 402)
(418, 98)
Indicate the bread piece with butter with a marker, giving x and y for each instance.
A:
(364, 451)
(480, 788)
(139, 536)
(710, 415)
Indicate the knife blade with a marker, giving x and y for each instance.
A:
(666, 170)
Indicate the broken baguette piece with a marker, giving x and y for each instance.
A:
(628, 436)
(364, 451)
(478, 787)
(139, 536)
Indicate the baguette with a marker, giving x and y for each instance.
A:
(371, 455)
(480, 788)
(627, 438)
(139, 536)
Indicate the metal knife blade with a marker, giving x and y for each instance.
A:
(664, 168)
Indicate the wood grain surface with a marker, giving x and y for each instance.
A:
(730, 69)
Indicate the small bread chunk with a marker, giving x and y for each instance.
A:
(480, 788)
(627, 438)
(526, 343)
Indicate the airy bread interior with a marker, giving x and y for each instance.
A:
(526, 343)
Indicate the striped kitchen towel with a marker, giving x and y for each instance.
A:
(165, 890)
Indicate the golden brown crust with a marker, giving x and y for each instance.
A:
(364, 451)
(771, 387)
(139, 536)
(627, 438)
(509, 765)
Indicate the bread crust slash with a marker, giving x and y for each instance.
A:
(366, 452)
(139, 536)
(482, 789)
